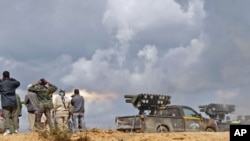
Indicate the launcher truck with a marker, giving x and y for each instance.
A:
(218, 113)
(157, 115)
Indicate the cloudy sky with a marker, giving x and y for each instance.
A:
(196, 51)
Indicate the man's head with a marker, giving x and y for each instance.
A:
(76, 91)
(62, 92)
(6, 74)
(42, 81)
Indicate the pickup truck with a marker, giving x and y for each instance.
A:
(156, 116)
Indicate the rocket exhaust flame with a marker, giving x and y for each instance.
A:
(90, 96)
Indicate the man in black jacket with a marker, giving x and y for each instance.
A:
(8, 88)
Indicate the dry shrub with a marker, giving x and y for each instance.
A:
(55, 135)
(83, 137)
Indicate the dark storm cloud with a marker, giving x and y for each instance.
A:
(228, 53)
(31, 29)
(225, 59)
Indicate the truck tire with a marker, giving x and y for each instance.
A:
(162, 129)
(210, 130)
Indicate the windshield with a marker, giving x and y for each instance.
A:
(190, 112)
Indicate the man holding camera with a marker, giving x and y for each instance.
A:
(8, 88)
(44, 91)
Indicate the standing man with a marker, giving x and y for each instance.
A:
(31, 103)
(8, 88)
(44, 91)
(61, 109)
(77, 102)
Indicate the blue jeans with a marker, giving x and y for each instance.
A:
(78, 122)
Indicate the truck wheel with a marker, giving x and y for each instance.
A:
(162, 129)
(210, 130)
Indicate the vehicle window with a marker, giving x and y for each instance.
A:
(175, 112)
(165, 112)
(169, 112)
(159, 112)
(190, 112)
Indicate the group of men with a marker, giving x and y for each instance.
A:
(39, 102)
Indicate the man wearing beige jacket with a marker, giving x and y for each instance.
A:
(61, 110)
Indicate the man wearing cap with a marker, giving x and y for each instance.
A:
(31, 103)
(8, 88)
(44, 91)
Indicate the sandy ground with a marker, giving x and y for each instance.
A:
(109, 135)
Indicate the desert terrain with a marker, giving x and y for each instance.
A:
(109, 135)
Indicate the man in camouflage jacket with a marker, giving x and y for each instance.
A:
(44, 91)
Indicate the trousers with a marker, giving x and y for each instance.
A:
(78, 122)
(11, 117)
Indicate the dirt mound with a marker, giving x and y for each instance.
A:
(109, 135)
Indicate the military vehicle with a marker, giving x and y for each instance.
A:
(157, 115)
(218, 113)
(242, 119)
